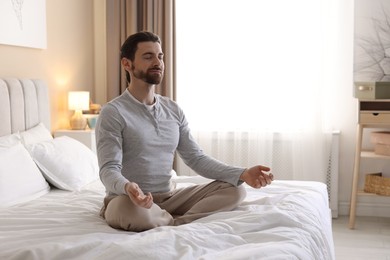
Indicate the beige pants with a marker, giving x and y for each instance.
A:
(176, 207)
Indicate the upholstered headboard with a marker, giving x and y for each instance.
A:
(24, 103)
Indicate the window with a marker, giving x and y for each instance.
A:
(250, 64)
(257, 80)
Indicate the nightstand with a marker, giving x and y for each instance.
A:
(372, 114)
(86, 137)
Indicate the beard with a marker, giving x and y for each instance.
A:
(148, 77)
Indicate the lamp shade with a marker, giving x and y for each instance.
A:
(78, 100)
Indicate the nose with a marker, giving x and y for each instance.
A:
(158, 62)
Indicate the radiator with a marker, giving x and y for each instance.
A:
(247, 149)
(332, 177)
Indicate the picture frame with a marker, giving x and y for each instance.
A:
(23, 23)
(372, 41)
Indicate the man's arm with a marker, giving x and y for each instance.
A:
(205, 165)
(109, 150)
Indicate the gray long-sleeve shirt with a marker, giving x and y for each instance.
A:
(137, 143)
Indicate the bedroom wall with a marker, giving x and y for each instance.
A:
(67, 63)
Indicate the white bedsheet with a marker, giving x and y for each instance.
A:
(286, 220)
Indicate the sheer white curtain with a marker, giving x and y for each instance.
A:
(255, 79)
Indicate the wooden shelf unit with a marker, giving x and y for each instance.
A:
(372, 114)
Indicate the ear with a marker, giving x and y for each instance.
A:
(126, 63)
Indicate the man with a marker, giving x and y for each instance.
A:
(137, 136)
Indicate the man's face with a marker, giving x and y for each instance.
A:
(148, 64)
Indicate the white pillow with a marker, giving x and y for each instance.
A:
(65, 162)
(9, 140)
(36, 134)
(20, 178)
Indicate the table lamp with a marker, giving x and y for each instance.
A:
(78, 101)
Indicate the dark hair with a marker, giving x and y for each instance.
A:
(129, 47)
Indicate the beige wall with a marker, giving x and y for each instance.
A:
(67, 63)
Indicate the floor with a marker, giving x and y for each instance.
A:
(369, 240)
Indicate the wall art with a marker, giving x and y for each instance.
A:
(23, 23)
(372, 40)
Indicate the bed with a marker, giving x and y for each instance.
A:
(58, 216)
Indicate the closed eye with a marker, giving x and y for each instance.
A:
(147, 56)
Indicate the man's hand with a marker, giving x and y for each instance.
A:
(256, 176)
(137, 196)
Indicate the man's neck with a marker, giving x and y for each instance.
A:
(143, 92)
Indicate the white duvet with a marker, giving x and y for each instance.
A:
(286, 220)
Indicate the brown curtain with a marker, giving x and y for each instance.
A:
(125, 17)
